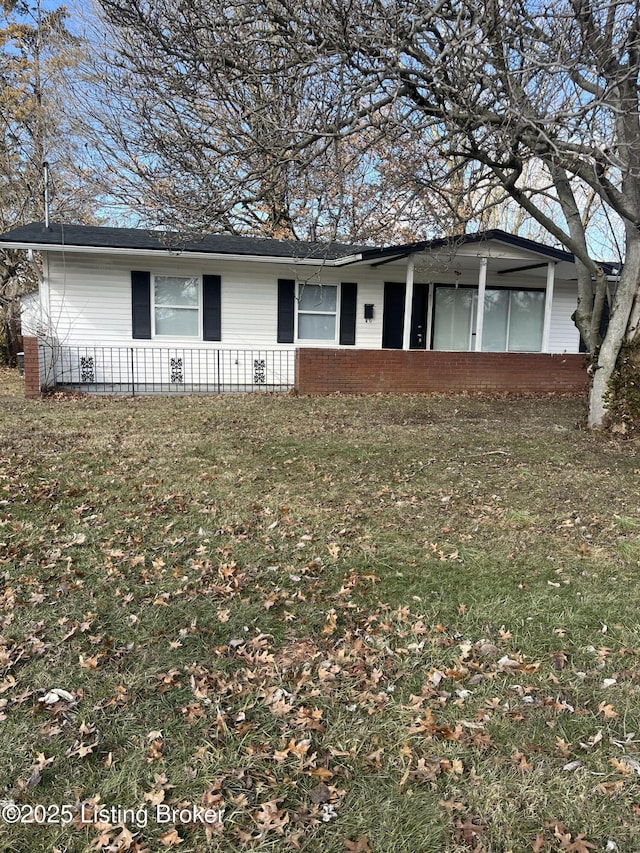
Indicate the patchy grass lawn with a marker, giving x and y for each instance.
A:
(369, 624)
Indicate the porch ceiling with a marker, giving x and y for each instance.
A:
(464, 267)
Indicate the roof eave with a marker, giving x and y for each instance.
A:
(399, 252)
(175, 253)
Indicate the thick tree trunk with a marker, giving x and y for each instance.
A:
(597, 396)
(617, 333)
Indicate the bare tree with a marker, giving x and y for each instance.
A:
(189, 138)
(197, 108)
(36, 53)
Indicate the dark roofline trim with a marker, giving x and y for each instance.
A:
(77, 237)
(465, 239)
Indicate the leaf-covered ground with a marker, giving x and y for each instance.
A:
(370, 624)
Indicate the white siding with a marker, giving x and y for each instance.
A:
(90, 300)
(564, 336)
(30, 313)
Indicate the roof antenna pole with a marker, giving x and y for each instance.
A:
(45, 173)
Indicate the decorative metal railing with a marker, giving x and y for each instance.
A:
(165, 370)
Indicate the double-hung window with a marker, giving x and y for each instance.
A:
(317, 312)
(176, 304)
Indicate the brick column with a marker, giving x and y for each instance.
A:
(31, 368)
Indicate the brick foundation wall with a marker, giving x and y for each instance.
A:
(326, 371)
(31, 368)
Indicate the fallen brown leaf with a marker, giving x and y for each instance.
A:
(468, 830)
(170, 838)
(359, 846)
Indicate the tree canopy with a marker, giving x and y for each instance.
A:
(220, 126)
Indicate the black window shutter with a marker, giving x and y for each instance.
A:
(348, 299)
(286, 310)
(141, 304)
(211, 321)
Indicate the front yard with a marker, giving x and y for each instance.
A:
(348, 623)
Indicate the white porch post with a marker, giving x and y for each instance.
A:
(548, 301)
(408, 303)
(482, 285)
(429, 329)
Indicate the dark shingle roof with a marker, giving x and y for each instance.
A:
(140, 238)
(99, 237)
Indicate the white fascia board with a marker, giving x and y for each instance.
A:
(348, 259)
(173, 253)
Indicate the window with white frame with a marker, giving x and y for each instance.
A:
(176, 306)
(317, 312)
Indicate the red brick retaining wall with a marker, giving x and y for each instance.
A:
(31, 367)
(326, 371)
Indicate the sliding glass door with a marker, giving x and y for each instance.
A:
(513, 320)
(526, 320)
(454, 318)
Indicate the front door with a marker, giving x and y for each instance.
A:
(393, 314)
(419, 316)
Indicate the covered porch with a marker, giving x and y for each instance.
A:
(484, 293)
